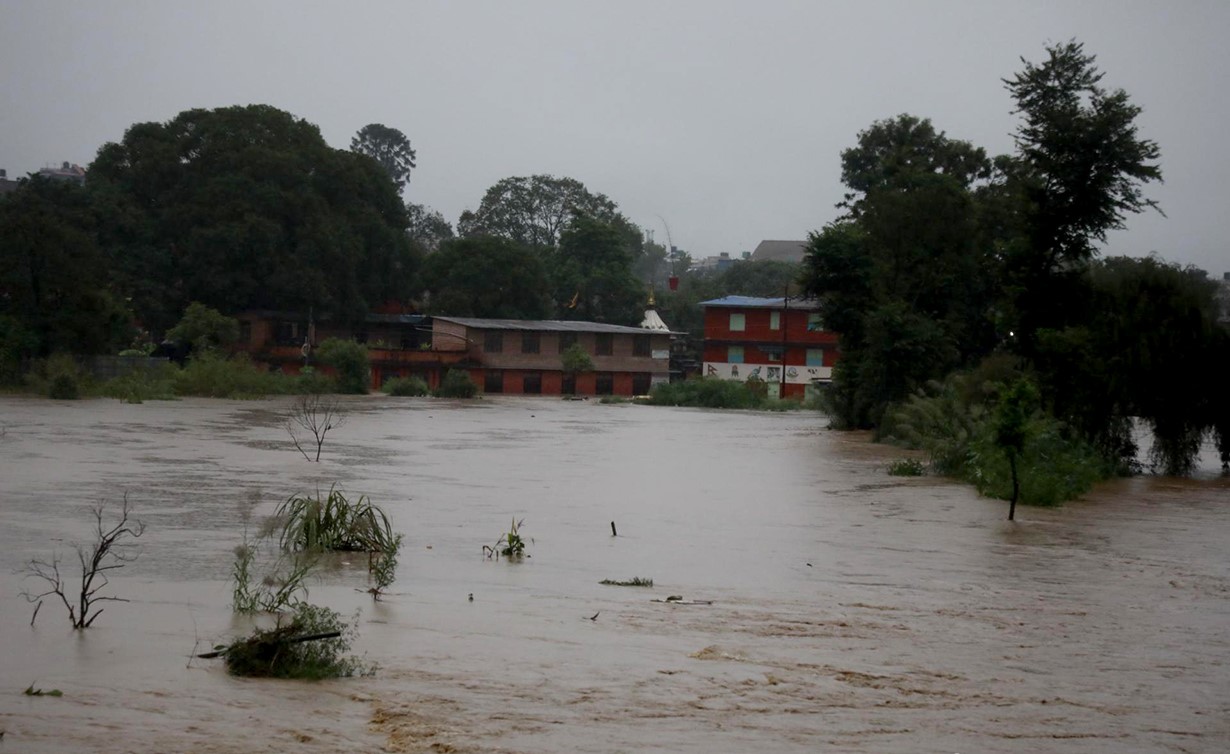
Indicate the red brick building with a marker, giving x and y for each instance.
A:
(778, 340)
(507, 356)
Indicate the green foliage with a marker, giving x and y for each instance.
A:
(248, 208)
(204, 329)
(710, 392)
(456, 384)
(16, 340)
(576, 359)
(406, 387)
(58, 377)
(390, 149)
(510, 544)
(64, 387)
(428, 228)
(351, 362)
(487, 276)
(591, 273)
(210, 375)
(282, 587)
(383, 568)
(274, 653)
(635, 581)
(31, 691)
(154, 383)
(906, 467)
(533, 211)
(965, 423)
(333, 523)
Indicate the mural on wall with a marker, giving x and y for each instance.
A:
(794, 375)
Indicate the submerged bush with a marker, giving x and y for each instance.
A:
(906, 467)
(209, 375)
(281, 652)
(1054, 467)
(153, 383)
(406, 387)
(457, 384)
(334, 523)
(351, 362)
(704, 392)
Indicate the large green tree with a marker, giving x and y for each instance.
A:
(428, 228)
(1079, 170)
(903, 279)
(534, 211)
(54, 286)
(487, 277)
(248, 207)
(592, 275)
(390, 148)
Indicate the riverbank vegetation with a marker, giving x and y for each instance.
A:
(977, 321)
(705, 392)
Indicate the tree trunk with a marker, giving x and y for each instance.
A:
(1016, 486)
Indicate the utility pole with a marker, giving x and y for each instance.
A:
(785, 320)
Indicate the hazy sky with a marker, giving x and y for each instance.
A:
(724, 118)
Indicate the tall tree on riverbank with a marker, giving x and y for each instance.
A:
(390, 148)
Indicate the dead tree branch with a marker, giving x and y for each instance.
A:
(313, 414)
(107, 553)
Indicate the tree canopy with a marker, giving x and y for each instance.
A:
(390, 148)
(248, 207)
(533, 211)
(487, 277)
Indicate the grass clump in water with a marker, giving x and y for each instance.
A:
(334, 523)
(634, 581)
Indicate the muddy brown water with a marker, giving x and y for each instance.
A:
(851, 611)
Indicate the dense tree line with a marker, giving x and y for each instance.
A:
(946, 256)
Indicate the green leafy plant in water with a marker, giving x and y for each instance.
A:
(456, 384)
(635, 581)
(282, 588)
(31, 691)
(383, 568)
(510, 544)
(403, 387)
(334, 523)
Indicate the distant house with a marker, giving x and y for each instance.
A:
(66, 172)
(778, 340)
(779, 251)
(508, 356)
(6, 186)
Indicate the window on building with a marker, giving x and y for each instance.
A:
(815, 357)
(493, 381)
(813, 323)
(640, 345)
(531, 383)
(566, 340)
(493, 341)
(641, 382)
(775, 320)
(772, 353)
(604, 384)
(604, 344)
(738, 322)
(734, 354)
(529, 342)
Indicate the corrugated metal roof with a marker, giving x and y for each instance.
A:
(754, 302)
(556, 325)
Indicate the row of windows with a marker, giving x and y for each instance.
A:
(738, 322)
(531, 342)
(531, 383)
(734, 355)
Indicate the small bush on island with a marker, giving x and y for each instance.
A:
(457, 384)
(406, 387)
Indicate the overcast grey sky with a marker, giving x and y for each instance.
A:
(724, 118)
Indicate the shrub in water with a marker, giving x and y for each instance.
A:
(351, 362)
(906, 467)
(334, 523)
(406, 387)
(211, 376)
(289, 650)
(457, 384)
(705, 392)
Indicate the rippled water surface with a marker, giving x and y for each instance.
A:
(850, 611)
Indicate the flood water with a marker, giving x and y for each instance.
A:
(851, 611)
